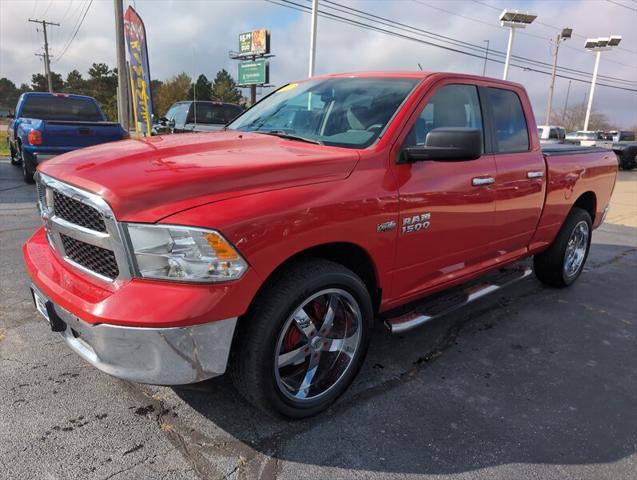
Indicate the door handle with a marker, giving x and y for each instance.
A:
(535, 174)
(480, 181)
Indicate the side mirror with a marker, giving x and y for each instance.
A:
(448, 144)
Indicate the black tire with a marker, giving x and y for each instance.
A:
(549, 265)
(15, 160)
(252, 366)
(28, 169)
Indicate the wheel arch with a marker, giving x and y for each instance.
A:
(587, 201)
(347, 254)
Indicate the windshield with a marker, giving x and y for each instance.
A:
(53, 107)
(344, 112)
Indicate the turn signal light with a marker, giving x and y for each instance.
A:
(35, 137)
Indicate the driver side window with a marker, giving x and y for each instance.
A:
(450, 106)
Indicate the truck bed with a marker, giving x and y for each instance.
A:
(569, 149)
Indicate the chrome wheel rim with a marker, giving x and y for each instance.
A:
(576, 249)
(317, 345)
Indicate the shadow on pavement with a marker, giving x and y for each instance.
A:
(535, 375)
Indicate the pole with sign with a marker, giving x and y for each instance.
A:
(253, 69)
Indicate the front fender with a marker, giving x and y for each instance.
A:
(270, 227)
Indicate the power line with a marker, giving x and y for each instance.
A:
(455, 42)
(584, 37)
(531, 35)
(77, 30)
(622, 5)
(305, 9)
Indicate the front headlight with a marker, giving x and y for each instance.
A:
(186, 254)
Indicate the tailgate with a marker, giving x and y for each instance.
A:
(70, 134)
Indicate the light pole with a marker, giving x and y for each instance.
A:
(597, 45)
(513, 19)
(486, 57)
(565, 34)
(313, 38)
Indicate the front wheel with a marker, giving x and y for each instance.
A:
(562, 263)
(304, 339)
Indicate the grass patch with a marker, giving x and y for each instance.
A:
(4, 148)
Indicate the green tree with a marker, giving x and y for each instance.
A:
(224, 88)
(203, 88)
(102, 85)
(9, 93)
(39, 82)
(173, 90)
(75, 83)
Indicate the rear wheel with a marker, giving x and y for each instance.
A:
(304, 339)
(28, 169)
(15, 160)
(562, 263)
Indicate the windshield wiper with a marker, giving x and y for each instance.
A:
(289, 136)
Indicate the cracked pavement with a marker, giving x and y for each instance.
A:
(532, 382)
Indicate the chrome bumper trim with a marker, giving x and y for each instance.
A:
(159, 356)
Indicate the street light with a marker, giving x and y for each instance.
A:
(565, 34)
(597, 45)
(514, 19)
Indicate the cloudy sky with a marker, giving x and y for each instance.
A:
(195, 37)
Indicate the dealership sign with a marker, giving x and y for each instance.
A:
(135, 34)
(254, 73)
(254, 43)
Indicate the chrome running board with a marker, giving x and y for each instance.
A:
(437, 305)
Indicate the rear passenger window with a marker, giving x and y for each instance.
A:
(449, 106)
(511, 132)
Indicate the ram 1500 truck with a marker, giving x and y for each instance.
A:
(49, 124)
(270, 248)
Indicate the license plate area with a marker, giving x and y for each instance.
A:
(45, 308)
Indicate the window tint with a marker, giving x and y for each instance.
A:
(181, 113)
(206, 113)
(52, 107)
(450, 106)
(511, 133)
(553, 135)
(231, 112)
(170, 114)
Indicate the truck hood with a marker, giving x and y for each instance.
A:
(145, 180)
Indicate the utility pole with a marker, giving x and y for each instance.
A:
(47, 60)
(565, 34)
(313, 38)
(122, 70)
(486, 56)
(568, 90)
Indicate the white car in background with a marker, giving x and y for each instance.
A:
(551, 133)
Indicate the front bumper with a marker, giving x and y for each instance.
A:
(160, 356)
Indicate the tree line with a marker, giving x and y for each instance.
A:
(101, 83)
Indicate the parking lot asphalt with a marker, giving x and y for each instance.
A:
(531, 383)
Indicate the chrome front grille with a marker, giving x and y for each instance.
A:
(77, 212)
(82, 229)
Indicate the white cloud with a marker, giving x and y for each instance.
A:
(195, 36)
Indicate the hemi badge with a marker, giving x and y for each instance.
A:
(385, 227)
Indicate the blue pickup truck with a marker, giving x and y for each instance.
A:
(49, 124)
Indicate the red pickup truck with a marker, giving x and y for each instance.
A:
(269, 249)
